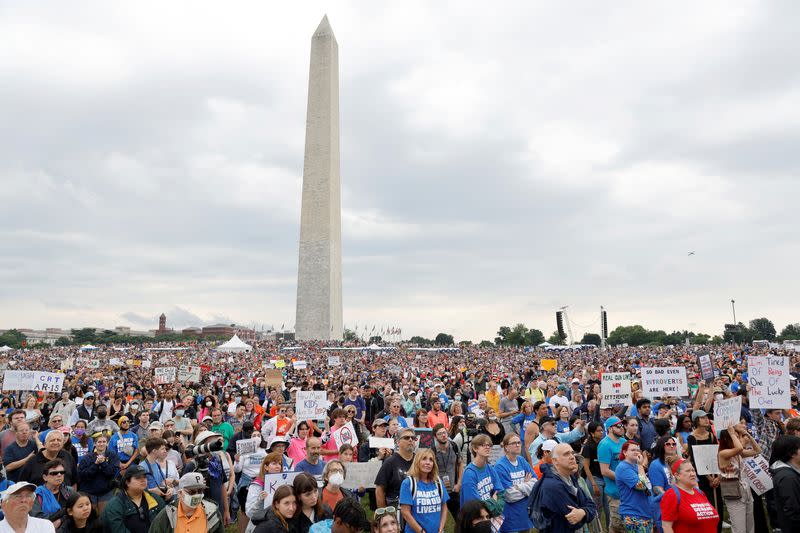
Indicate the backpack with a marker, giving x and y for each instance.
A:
(414, 487)
(540, 521)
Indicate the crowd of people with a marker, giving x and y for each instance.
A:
(480, 436)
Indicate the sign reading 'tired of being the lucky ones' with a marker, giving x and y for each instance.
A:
(616, 389)
(659, 381)
(769, 382)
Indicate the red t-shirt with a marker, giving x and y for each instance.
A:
(694, 515)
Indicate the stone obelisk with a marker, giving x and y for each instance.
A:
(319, 276)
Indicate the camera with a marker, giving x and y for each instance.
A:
(203, 449)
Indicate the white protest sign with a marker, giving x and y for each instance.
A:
(67, 364)
(705, 459)
(769, 382)
(189, 373)
(146, 363)
(273, 481)
(244, 446)
(727, 412)
(334, 360)
(377, 442)
(756, 471)
(662, 381)
(311, 405)
(361, 475)
(93, 363)
(345, 435)
(616, 389)
(32, 380)
(163, 375)
(300, 365)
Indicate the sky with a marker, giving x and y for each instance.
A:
(495, 164)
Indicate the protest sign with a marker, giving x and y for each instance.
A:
(706, 364)
(361, 475)
(727, 412)
(273, 377)
(345, 435)
(334, 360)
(548, 364)
(311, 405)
(300, 365)
(705, 458)
(279, 363)
(67, 364)
(424, 437)
(769, 382)
(146, 364)
(189, 373)
(616, 389)
(660, 381)
(377, 442)
(163, 375)
(115, 361)
(756, 472)
(273, 481)
(32, 380)
(244, 446)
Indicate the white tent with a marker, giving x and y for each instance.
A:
(6, 349)
(544, 345)
(88, 347)
(234, 345)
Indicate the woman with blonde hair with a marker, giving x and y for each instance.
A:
(423, 495)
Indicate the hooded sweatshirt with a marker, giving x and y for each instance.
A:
(786, 480)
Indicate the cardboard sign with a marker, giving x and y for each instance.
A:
(244, 446)
(311, 405)
(273, 377)
(377, 442)
(346, 435)
(189, 373)
(424, 437)
(300, 365)
(661, 381)
(769, 382)
(756, 471)
(361, 475)
(548, 364)
(68, 364)
(334, 360)
(616, 389)
(727, 412)
(705, 459)
(706, 364)
(163, 375)
(32, 380)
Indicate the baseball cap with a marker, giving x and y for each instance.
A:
(155, 425)
(16, 487)
(698, 414)
(134, 471)
(207, 418)
(611, 422)
(575, 380)
(88, 395)
(379, 422)
(546, 420)
(549, 445)
(277, 439)
(192, 480)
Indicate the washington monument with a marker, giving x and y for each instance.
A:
(319, 275)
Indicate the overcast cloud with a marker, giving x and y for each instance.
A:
(496, 164)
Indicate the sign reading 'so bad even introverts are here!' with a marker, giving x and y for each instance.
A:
(660, 381)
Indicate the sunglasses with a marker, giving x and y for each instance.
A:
(408, 437)
(56, 473)
(672, 444)
(384, 510)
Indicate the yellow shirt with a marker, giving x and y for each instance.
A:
(191, 524)
(493, 399)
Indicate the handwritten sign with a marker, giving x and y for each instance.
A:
(727, 412)
(706, 364)
(273, 377)
(300, 365)
(361, 475)
(311, 405)
(705, 459)
(334, 360)
(273, 481)
(189, 373)
(616, 389)
(769, 382)
(163, 375)
(244, 446)
(424, 437)
(32, 380)
(67, 364)
(548, 364)
(662, 381)
(756, 471)
(377, 442)
(346, 435)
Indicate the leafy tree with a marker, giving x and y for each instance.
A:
(534, 337)
(716, 340)
(555, 338)
(485, 344)
(63, 341)
(741, 334)
(502, 335)
(630, 335)
(376, 339)
(443, 339)
(12, 338)
(701, 338)
(591, 338)
(421, 341)
(466, 344)
(517, 335)
(790, 332)
(349, 335)
(83, 336)
(763, 329)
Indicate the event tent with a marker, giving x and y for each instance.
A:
(234, 345)
(6, 349)
(88, 347)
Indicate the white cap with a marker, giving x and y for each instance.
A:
(549, 445)
(205, 435)
(16, 487)
(192, 480)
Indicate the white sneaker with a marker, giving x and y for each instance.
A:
(725, 525)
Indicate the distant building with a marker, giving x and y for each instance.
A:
(162, 326)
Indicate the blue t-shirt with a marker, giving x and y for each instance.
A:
(608, 453)
(479, 483)
(658, 473)
(632, 502)
(426, 506)
(119, 442)
(515, 515)
(523, 421)
(308, 468)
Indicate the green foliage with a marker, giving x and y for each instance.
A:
(485, 344)
(376, 339)
(790, 332)
(716, 340)
(742, 334)
(420, 341)
(12, 338)
(556, 339)
(350, 335)
(591, 338)
(467, 344)
(63, 341)
(443, 339)
(519, 335)
(763, 329)
(701, 338)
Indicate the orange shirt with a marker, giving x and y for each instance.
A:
(191, 524)
(434, 419)
(331, 498)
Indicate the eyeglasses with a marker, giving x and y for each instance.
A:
(515, 443)
(384, 510)
(408, 437)
(56, 473)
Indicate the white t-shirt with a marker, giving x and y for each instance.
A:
(35, 525)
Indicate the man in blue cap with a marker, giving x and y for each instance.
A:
(608, 456)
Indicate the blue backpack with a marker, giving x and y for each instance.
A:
(540, 521)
